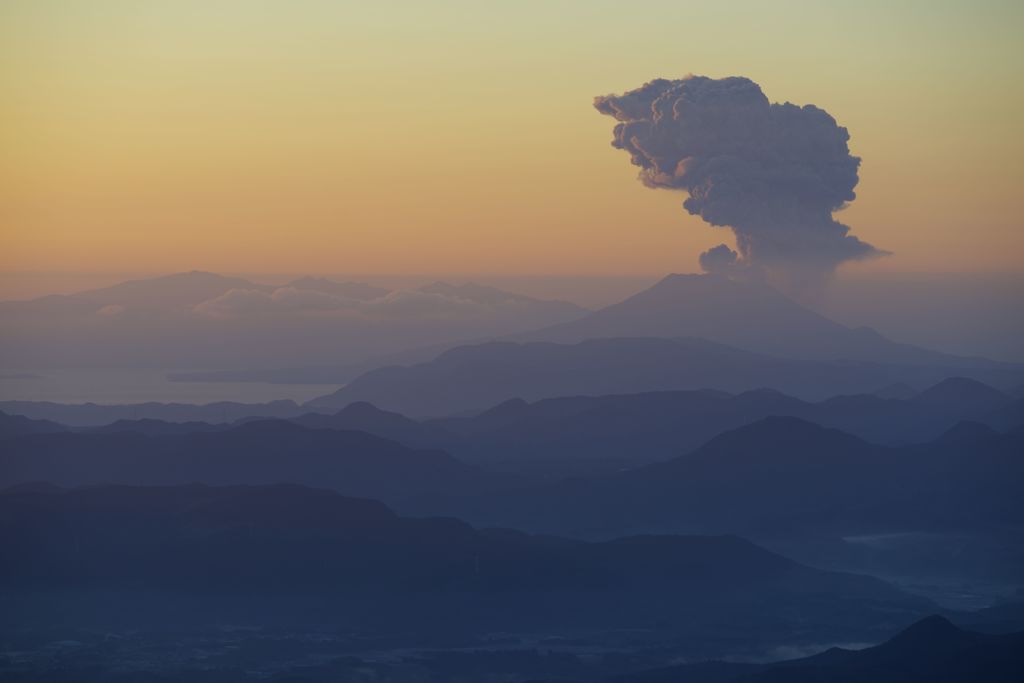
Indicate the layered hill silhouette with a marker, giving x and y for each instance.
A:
(784, 480)
(782, 476)
(366, 417)
(584, 435)
(962, 397)
(151, 427)
(19, 425)
(278, 547)
(932, 650)
(475, 377)
(685, 332)
(259, 452)
(588, 433)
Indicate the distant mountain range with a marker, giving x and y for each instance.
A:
(950, 508)
(785, 476)
(474, 377)
(685, 332)
(590, 434)
(583, 435)
(568, 436)
(782, 480)
(738, 336)
(746, 316)
(218, 552)
(205, 320)
(19, 425)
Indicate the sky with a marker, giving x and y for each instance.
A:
(460, 137)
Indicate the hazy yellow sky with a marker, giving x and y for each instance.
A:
(411, 137)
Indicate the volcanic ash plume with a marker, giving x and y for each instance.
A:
(773, 173)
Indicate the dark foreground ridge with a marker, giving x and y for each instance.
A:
(142, 556)
(931, 651)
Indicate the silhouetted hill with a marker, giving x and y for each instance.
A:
(151, 427)
(962, 396)
(260, 452)
(365, 417)
(786, 476)
(932, 650)
(1009, 417)
(474, 377)
(278, 547)
(747, 315)
(582, 434)
(899, 391)
(19, 425)
(967, 431)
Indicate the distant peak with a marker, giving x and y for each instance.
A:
(199, 274)
(707, 292)
(312, 280)
(709, 279)
(470, 290)
(961, 391)
(931, 631)
(512, 406)
(783, 433)
(361, 406)
(897, 390)
(967, 431)
(348, 288)
(778, 422)
(959, 384)
(762, 391)
(363, 409)
(269, 427)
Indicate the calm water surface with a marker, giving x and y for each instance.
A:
(139, 386)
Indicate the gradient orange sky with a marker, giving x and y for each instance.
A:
(412, 137)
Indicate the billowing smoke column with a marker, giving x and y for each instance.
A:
(773, 173)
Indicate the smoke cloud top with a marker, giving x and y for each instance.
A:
(773, 173)
(719, 260)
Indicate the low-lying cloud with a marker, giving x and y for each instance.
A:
(405, 304)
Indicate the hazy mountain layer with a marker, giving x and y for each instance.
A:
(203, 320)
(475, 377)
(262, 452)
(786, 474)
